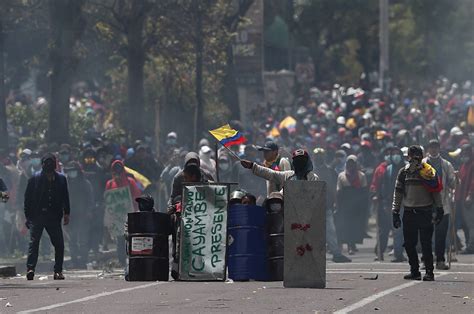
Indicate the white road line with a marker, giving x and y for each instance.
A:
(91, 297)
(376, 296)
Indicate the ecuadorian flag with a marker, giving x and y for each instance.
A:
(227, 136)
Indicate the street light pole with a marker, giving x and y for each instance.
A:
(383, 45)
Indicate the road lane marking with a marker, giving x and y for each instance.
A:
(91, 297)
(379, 295)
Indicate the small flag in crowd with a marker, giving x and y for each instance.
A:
(228, 136)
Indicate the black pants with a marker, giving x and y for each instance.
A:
(55, 232)
(441, 231)
(418, 222)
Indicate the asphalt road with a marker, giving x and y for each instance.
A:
(351, 287)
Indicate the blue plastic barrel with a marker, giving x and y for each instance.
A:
(247, 243)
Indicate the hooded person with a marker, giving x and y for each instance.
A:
(46, 204)
(192, 172)
(207, 162)
(352, 205)
(121, 179)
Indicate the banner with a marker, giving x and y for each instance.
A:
(118, 202)
(203, 233)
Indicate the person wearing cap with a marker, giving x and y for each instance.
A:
(301, 164)
(46, 204)
(465, 196)
(329, 176)
(423, 207)
(274, 161)
(445, 170)
(82, 200)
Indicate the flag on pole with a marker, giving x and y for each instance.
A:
(228, 136)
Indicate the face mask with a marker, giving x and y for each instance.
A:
(396, 159)
(64, 157)
(275, 206)
(171, 141)
(434, 156)
(72, 174)
(224, 166)
(36, 162)
(387, 158)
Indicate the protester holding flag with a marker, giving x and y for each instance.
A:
(420, 196)
(274, 161)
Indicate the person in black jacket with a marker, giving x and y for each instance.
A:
(46, 203)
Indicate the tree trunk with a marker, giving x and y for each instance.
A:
(231, 97)
(199, 46)
(3, 109)
(67, 25)
(134, 113)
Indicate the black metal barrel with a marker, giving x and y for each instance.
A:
(275, 249)
(148, 247)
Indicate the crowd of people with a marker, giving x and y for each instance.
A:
(355, 139)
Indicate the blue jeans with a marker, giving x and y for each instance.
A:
(55, 231)
(331, 236)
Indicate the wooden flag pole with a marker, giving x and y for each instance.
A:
(216, 151)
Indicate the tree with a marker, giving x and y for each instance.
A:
(67, 24)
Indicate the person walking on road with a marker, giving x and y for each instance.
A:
(46, 204)
(445, 171)
(418, 189)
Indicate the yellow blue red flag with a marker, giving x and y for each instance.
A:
(227, 136)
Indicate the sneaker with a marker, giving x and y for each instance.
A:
(351, 252)
(441, 266)
(341, 259)
(376, 259)
(413, 276)
(58, 276)
(429, 276)
(30, 275)
(399, 259)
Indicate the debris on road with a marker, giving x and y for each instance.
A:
(372, 278)
(43, 278)
(8, 304)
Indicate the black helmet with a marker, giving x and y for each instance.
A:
(146, 203)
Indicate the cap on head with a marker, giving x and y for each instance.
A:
(269, 146)
(145, 202)
(300, 153)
